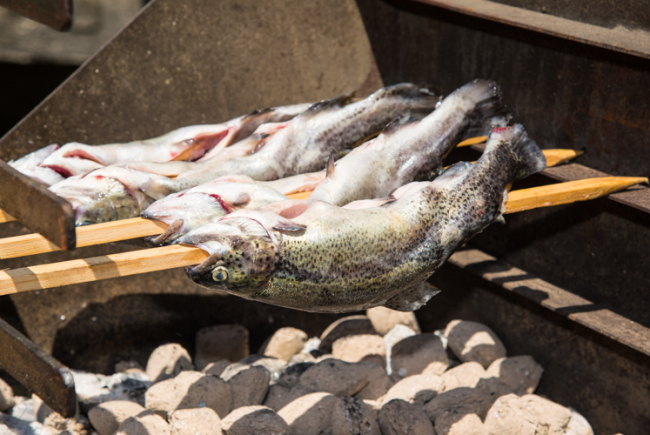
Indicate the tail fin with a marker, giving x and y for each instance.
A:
(418, 99)
(528, 155)
(489, 111)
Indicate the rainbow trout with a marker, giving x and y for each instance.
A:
(186, 143)
(330, 259)
(328, 127)
(410, 149)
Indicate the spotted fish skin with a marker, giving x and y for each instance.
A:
(410, 149)
(310, 138)
(348, 260)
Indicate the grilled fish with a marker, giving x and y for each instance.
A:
(410, 149)
(349, 260)
(106, 194)
(244, 147)
(187, 143)
(326, 128)
(28, 165)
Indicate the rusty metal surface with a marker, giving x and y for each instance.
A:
(54, 13)
(37, 208)
(634, 42)
(37, 371)
(605, 381)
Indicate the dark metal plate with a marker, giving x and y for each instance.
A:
(54, 13)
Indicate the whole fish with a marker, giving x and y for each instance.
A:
(349, 260)
(326, 128)
(244, 147)
(106, 194)
(410, 149)
(186, 143)
(189, 209)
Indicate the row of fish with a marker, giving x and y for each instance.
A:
(375, 226)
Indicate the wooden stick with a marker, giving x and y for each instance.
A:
(472, 141)
(32, 244)
(170, 257)
(6, 217)
(566, 193)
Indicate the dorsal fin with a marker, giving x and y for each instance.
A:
(398, 123)
(412, 298)
(329, 169)
(334, 103)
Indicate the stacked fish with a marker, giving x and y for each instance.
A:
(383, 216)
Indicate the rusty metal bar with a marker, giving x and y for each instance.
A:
(561, 301)
(37, 208)
(56, 14)
(37, 371)
(632, 42)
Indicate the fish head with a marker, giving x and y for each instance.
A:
(97, 199)
(242, 257)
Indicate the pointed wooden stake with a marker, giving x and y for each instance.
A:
(566, 193)
(170, 257)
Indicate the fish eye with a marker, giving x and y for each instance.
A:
(220, 274)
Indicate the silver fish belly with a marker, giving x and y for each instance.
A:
(348, 260)
(410, 149)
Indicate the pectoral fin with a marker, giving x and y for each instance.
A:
(412, 298)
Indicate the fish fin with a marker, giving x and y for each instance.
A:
(329, 169)
(529, 156)
(419, 99)
(398, 123)
(258, 112)
(412, 298)
(242, 199)
(163, 238)
(489, 112)
(289, 227)
(334, 103)
(454, 171)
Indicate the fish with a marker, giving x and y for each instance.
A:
(327, 127)
(348, 260)
(28, 165)
(186, 143)
(243, 147)
(411, 149)
(194, 207)
(106, 194)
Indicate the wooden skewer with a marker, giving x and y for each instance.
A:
(566, 193)
(5, 217)
(32, 244)
(169, 257)
(472, 141)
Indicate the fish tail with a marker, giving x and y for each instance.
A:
(528, 157)
(489, 110)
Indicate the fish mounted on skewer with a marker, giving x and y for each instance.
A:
(198, 142)
(330, 259)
